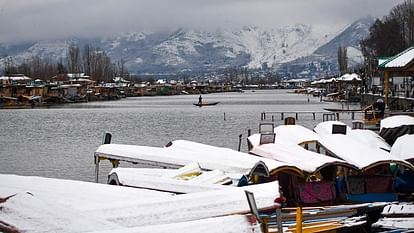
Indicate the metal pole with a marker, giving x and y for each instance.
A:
(240, 139)
(96, 168)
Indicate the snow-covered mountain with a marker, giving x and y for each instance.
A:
(325, 59)
(195, 50)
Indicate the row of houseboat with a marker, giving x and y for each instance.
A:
(22, 91)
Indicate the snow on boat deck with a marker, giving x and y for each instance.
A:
(135, 177)
(181, 153)
(53, 205)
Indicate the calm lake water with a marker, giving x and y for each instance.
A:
(60, 142)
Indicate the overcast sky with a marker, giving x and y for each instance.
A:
(48, 19)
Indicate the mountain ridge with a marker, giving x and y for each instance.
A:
(179, 50)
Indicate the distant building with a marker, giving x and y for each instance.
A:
(16, 79)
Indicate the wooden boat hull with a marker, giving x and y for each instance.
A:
(206, 104)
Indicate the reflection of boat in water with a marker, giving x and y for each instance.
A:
(205, 104)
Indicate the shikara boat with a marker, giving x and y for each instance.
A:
(205, 104)
(342, 110)
(395, 126)
(56, 205)
(396, 217)
(187, 179)
(177, 155)
(237, 166)
(289, 147)
(374, 178)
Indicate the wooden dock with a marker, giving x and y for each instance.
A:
(326, 115)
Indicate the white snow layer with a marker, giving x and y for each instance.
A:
(396, 121)
(403, 147)
(54, 205)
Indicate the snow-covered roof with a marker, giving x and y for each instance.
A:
(322, 81)
(182, 152)
(400, 60)
(396, 121)
(355, 151)
(77, 75)
(403, 147)
(369, 138)
(54, 205)
(306, 160)
(349, 77)
(228, 156)
(15, 78)
(120, 79)
(295, 133)
(366, 136)
(161, 81)
(85, 80)
(325, 128)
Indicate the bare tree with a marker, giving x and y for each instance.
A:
(342, 59)
(121, 69)
(74, 59)
(87, 59)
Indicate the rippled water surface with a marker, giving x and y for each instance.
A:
(60, 142)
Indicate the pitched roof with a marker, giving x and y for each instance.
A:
(400, 60)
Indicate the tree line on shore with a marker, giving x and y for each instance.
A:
(387, 36)
(92, 61)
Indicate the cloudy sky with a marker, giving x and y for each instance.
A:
(22, 20)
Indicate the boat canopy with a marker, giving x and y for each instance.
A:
(326, 128)
(180, 153)
(284, 151)
(296, 134)
(396, 121)
(403, 147)
(358, 153)
(395, 126)
(348, 145)
(253, 165)
(368, 137)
